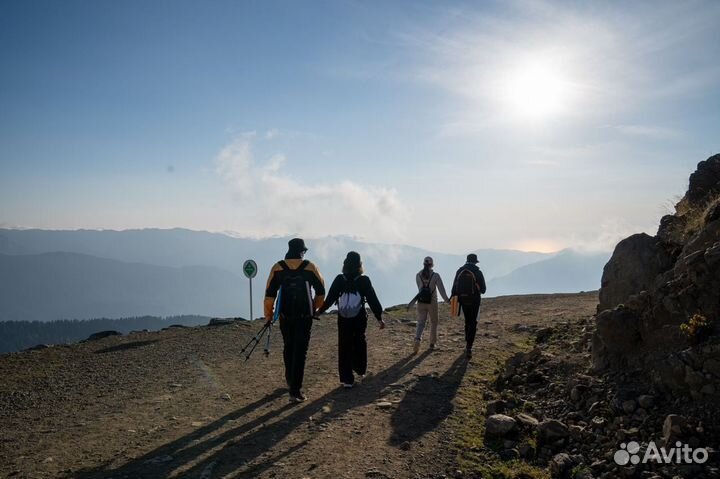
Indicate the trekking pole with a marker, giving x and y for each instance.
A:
(276, 315)
(267, 342)
(255, 340)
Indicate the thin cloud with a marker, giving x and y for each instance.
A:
(649, 131)
(608, 64)
(271, 202)
(609, 234)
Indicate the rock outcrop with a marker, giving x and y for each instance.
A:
(634, 266)
(103, 334)
(659, 306)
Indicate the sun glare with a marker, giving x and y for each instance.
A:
(536, 90)
(537, 245)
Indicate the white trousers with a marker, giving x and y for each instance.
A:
(423, 311)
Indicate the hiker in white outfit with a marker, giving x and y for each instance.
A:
(428, 283)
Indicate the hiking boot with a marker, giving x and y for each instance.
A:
(416, 347)
(468, 353)
(297, 397)
(347, 385)
(432, 346)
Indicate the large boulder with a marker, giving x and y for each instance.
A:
(634, 266)
(551, 430)
(561, 466)
(616, 337)
(499, 425)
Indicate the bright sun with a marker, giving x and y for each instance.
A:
(536, 91)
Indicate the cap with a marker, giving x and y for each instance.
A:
(472, 258)
(428, 260)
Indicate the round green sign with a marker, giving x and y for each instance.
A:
(250, 268)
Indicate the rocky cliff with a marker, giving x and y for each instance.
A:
(660, 296)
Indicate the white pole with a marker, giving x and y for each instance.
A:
(251, 308)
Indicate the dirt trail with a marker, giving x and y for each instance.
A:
(182, 403)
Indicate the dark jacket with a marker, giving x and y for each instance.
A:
(364, 287)
(478, 277)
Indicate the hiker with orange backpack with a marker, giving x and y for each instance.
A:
(351, 290)
(290, 281)
(467, 287)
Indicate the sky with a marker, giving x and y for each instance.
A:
(452, 126)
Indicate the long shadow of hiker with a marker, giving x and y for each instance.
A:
(427, 404)
(126, 346)
(157, 457)
(234, 450)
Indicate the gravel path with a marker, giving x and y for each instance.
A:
(183, 403)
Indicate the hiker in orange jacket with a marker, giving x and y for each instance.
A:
(293, 278)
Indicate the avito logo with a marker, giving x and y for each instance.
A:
(630, 453)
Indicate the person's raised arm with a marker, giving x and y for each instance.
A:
(441, 288)
(332, 295)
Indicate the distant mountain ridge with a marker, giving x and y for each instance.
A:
(565, 272)
(63, 285)
(181, 247)
(217, 287)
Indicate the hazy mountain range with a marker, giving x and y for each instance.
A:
(46, 275)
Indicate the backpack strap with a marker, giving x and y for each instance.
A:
(285, 266)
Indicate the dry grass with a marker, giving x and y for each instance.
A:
(693, 217)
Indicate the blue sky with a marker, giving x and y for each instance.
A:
(447, 125)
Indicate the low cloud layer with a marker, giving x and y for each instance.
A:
(270, 201)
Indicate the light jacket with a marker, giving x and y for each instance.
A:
(435, 285)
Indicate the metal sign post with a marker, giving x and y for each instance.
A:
(250, 269)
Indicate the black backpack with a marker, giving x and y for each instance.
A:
(425, 293)
(295, 298)
(466, 287)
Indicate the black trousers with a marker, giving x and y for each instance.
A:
(470, 311)
(296, 337)
(352, 347)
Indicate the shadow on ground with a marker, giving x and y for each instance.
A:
(244, 448)
(427, 404)
(127, 346)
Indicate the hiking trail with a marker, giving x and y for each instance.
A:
(182, 402)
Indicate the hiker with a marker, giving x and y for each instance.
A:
(351, 290)
(429, 283)
(467, 287)
(292, 279)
